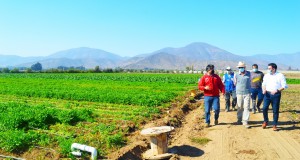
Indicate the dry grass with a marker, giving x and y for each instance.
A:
(200, 140)
(292, 75)
(290, 102)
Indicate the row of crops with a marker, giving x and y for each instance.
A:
(55, 110)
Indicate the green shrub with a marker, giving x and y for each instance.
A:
(17, 140)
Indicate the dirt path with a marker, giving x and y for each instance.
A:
(231, 141)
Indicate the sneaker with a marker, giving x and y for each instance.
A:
(275, 128)
(216, 122)
(246, 126)
(226, 110)
(264, 125)
(233, 109)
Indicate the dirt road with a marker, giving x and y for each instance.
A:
(229, 141)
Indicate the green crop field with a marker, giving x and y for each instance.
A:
(52, 111)
(55, 110)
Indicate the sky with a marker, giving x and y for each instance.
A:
(132, 27)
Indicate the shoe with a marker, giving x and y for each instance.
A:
(275, 128)
(226, 110)
(258, 110)
(233, 109)
(264, 125)
(247, 126)
(238, 123)
(216, 122)
(207, 125)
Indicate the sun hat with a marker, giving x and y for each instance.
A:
(228, 68)
(241, 64)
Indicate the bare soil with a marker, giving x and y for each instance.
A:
(228, 141)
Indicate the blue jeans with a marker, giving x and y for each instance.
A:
(274, 100)
(211, 102)
(256, 92)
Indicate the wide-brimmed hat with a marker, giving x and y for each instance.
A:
(228, 68)
(241, 64)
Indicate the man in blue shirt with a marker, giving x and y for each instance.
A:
(229, 89)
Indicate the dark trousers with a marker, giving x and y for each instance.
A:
(256, 92)
(274, 100)
(229, 94)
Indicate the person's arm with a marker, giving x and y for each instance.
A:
(221, 86)
(223, 80)
(234, 79)
(263, 86)
(282, 83)
(201, 84)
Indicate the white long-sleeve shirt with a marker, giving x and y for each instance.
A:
(273, 82)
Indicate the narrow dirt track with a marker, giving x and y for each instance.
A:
(231, 141)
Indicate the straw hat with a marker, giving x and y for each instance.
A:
(241, 64)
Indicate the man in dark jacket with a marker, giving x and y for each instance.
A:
(256, 78)
(211, 84)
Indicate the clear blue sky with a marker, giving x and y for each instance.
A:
(131, 27)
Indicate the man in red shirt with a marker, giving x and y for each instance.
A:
(211, 84)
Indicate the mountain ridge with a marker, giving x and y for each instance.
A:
(196, 54)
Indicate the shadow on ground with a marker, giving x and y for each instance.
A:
(186, 150)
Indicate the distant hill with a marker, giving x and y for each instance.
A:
(157, 61)
(13, 60)
(196, 55)
(87, 57)
(291, 60)
(85, 53)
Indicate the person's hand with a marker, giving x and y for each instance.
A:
(223, 95)
(273, 92)
(264, 91)
(206, 87)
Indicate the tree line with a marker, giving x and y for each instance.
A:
(38, 68)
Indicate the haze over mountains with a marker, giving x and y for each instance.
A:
(196, 55)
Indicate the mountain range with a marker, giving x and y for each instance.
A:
(196, 55)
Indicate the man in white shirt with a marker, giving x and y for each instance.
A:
(273, 83)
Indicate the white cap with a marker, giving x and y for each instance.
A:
(228, 68)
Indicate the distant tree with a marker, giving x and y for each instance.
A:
(28, 70)
(80, 68)
(15, 70)
(37, 67)
(5, 70)
(108, 70)
(63, 68)
(97, 69)
(119, 69)
(187, 68)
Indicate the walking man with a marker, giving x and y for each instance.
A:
(243, 85)
(273, 84)
(228, 80)
(256, 90)
(211, 84)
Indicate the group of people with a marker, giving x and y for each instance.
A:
(241, 87)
